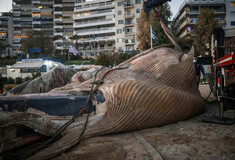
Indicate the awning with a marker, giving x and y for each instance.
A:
(32, 64)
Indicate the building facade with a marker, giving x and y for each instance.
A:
(22, 22)
(188, 13)
(106, 26)
(94, 26)
(63, 24)
(230, 18)
(6, 34)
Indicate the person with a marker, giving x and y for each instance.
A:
(1, 84)
(198, 68)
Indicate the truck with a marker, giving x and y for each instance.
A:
(222, 78)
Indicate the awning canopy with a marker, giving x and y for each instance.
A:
(25, 65)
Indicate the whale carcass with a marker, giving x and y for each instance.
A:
(153, 88)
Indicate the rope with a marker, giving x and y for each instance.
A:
(58, 133)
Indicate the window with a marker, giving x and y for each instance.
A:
(128, 21)
(232, 4)
(120, 22)
(137, 19)
(137, 1)
(128, 30)
(119, 3)
(119, 40)
(119, 31)
(232, 23)
(119, 12)
(128, 12)
(137, 10)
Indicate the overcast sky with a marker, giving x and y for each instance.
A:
(5, 5)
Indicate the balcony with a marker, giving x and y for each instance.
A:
(36, 15)
(16, 25)
(219, 11)
(94, 14)
(16, 32)
(58, 27)
(94, 7)
(36, 22)
(58, 20)
(16, 45)
(95, 31)
(94, 23)
(58, 12)
(37, 29)
(129, 33)
(59, 47)
(128, 4)
(16, 40)
(129, 15)
(129, 42)
(35, 2)
(57, 5)
(58, 34)
(16, 19)
(36, 9)
(129, 24)
(16, 13)
(194, 12)
(99, 39)
(58, 41)
(16, 6)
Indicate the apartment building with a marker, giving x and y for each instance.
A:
(22, 22)
(6, 34)
(230, 18)
(127, 14)
(63, 24)
(106, 26)
(188, 13)
(42, 15)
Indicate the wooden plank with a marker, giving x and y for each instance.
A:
(148, 147)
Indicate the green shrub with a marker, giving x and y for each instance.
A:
(19, 80)
(10, 80)
(27, 78)
(35, 75)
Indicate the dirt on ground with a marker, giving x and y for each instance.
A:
(189, 139)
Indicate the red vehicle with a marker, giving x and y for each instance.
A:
(222, 79)
(223, 53)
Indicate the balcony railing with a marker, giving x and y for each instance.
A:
(58, 27)
(94, 6)
(36, 22)
(36, 9)
(128, 4)
(58, 12)
(16, 25)
(16, 19)
(129, 24)
(35, 2)
(58, 41)
(95, 30)
(96, 21)
(129, 15)
(58, 20)
(58, 34)
(97, 39)
(16, 6)
(92, 13)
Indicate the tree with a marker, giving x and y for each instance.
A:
(38, 39)
(144, 22)
(203, 29)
